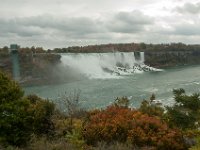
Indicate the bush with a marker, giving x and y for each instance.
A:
(152, 110)
(20, 117)
(113, 146)
(185, 112)
(10, 91)
(41, 111)
(15, 123)
(15, 120)
(152, 132)
(121, 124)
(45, 144)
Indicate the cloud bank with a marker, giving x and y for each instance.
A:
(62, 23)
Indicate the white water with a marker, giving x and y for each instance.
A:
(106, 65)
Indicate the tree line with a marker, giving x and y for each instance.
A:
(123, 47)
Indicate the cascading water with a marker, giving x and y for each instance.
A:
(106, 65)
(142, 57)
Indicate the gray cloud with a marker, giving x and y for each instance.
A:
(190, 8)
(77, 27)
(78, 24)
(46, 24)
(13, 27)
(129, 22)
(61, 23)
(188, 29)
(184, 29)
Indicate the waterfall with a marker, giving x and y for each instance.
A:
(142, 57)
(105, 65)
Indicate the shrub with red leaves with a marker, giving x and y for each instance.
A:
(123, 124)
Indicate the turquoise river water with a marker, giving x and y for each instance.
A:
(97, 92)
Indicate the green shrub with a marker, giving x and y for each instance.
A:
(42, 111)
(197, 146)
(122, 102)
(10, 91)
(15, 120)
(20, 117)
(185, 112)
(152, 110)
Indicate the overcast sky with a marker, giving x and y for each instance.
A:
(63, 23)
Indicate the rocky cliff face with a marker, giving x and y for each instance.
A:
(6, 63)
(163, 59)
(34, 68)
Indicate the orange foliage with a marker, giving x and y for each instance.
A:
(124, 124)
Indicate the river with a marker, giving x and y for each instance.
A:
(100, 92)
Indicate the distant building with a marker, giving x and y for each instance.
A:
(14, 48)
